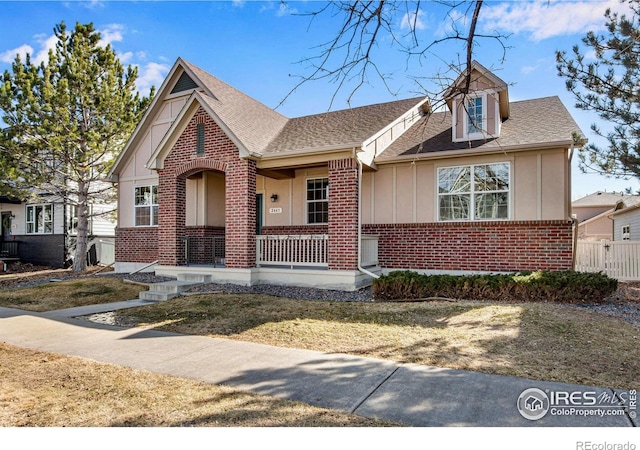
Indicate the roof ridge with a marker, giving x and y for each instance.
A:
(356, 108)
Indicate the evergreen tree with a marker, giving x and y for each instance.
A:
(67, 119)
(610, 86)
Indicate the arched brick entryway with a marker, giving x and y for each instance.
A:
(220, 154)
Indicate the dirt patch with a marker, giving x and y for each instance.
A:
(23, 275)
(628, 292)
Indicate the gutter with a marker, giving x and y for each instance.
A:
(360, 268)
(475, 152)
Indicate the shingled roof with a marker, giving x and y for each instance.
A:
(264, 131)
(254, 123)
(348, 127)
(600, 198)
(539, 122)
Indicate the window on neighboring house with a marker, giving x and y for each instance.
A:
(474, 192)
(40, 219)
(318, 200)
(146, 206)
(72, 220)
(626, 232)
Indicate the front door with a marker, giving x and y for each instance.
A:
(6, 227)
(259, 212)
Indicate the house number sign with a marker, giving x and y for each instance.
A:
(275, 210)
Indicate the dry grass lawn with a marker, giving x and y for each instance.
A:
(40, 389)
(534, 340)
(70, 293)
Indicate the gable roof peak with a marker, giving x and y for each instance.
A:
(477, 78)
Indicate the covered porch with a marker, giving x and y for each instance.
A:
(243, 225)
(295, 260)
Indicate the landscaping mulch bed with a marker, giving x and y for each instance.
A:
(624, 304)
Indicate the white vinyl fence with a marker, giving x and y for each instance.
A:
(617, 259)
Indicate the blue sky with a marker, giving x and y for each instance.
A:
(258, 46)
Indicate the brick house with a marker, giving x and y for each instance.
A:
(212, 181)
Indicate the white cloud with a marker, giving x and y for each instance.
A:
(10, 55)
(543, 19)
(152, 74)
(285, 10)
(46, 44)
(125, 57)
(111, 33)
(412, 21)
(454, 21)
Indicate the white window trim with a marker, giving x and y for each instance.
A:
(306, 202)
(484, 134)
(626, 236)
(144, 206)
(71, 230)
(473, 192)
(26, 219)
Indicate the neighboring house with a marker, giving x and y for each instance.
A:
(42, 231)
(212, 181)
(593, 214)
(626, 219)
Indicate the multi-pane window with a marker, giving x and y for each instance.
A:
(318, 200)
(474, 192)
(146, 206)
(72, 219)
(474, 115)
(626, 232)
(39, 219)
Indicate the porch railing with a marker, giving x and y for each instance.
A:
(369, 251)
(9, 249)
(306, 250)
(208, 250)
(292, 250)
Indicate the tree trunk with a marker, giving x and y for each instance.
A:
(82, 237)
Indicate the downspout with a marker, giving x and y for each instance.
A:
(572, 216)
(360, 268)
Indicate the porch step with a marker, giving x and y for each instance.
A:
(198, 278)
(160, 292)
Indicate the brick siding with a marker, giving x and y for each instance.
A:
(343, 214)
(221, 154)
(137, 244)
(475, 246)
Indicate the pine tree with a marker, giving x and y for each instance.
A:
(67, 119)
(609, 86)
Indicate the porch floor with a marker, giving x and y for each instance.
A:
(316, 277)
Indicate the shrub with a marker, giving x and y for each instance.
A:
(561, 287)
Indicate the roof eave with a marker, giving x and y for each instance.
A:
(474, 152)
(156, 160)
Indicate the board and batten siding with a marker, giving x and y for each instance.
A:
(134, 172)
(407, 192)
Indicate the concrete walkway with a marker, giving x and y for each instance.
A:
(405, 393)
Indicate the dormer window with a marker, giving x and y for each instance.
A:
(476, 122)
(473, 118)
(479, 103)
